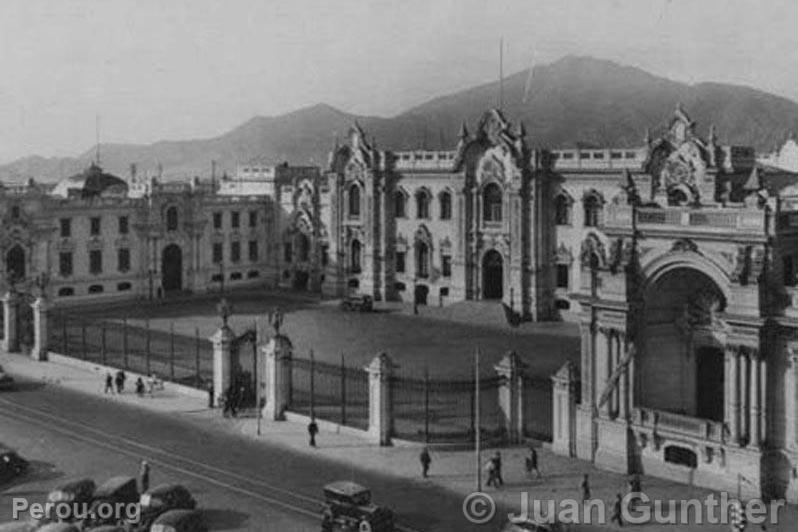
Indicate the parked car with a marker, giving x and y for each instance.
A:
(180, 521)
(108, 528)
(73, 493)
(161, 499)
(348, 506)
(115, 490)
(27, 525)
(59, 527)
(6, 381)
(530, 525)
(359, 302)
(12, 465)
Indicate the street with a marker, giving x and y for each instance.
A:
(243, 485)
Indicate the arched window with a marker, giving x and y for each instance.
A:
(354, 201)
(562, 210)
(422, 204)
(445, 200)
(171, 219)
(422, 260)
(492, 203)
(399, 204)
(354, 259)
(592, 205)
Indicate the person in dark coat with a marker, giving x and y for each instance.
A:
(532, 463)
(617, 515)
(140, 387)
(426, 460)
(144, 476)
(585, 488)
(497, 469)
(109, 383)
(120, 381)
(313, 429)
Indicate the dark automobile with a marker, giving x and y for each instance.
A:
(530, 525)
(107, 528)
(115, 490)
(6, 381)
(73, 493)
(12, 465)
(180, 521)
(348, 506)
(359, 302)
(59, 527)
(161, 499)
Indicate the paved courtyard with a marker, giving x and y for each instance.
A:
(446, 347)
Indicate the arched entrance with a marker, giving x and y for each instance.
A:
(492, 275)
(681, 358)
(15, 263)
(172, 268)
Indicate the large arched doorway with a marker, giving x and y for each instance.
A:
(172, 268)
(681, 357)
(15, 263)
(492, 275)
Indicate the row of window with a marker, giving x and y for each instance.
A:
(423, 262)
(236, 276)
(235, 251)
(66, 268)
(423, 202)
(172, 222)
(591, 207)
(68, 291)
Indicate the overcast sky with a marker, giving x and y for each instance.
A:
(175, 69)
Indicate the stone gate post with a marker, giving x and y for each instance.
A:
(40, 332)
(380, 401)
(222, 361)
(277, 355)
(10, 330)
(564, 388)
(510, 369)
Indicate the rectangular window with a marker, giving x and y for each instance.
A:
(253, 250)
(287, 252)
(400, 262)
(446, 265)
(253, 218)
(562, 276)
(66, 227)
(65, 263)
(218, 252)
(123, 259)
(217, 220)
(95, 261)
(235, 251)
(94, 223)
(123, 225)
(235, 219)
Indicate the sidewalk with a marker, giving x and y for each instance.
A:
(451, 470)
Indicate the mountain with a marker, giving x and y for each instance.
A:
(573, 101)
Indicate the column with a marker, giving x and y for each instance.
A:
(222, 346)
(40, 334)
(733, 401)
(276, 378)
(511, 395)
(792, 401)
(603, 369)
(587, 334)
(745, 391)
(623, 385)
(10, 332)
(380, 404)
(763, 401)
(564, 410)
(754, 400)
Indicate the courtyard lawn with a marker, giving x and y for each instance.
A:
(414, 342)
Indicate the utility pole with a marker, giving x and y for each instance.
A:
(477, 435)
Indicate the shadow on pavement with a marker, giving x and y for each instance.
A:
(218, 519)
(21, 385)
(38, 472)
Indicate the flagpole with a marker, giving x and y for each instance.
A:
(477, 442)
(501, 74)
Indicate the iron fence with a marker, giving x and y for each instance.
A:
(538, 407)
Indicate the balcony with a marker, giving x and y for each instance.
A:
(720, 220)
(680, 425)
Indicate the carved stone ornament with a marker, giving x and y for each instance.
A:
(592, 247)
(685, 245)
(703, 308)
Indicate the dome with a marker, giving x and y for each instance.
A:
(89, 183)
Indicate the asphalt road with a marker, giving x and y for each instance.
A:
(243, 485)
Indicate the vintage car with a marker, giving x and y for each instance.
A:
(59, 527)
(161, 499)
(348, 506)
(180, 521)
(359, 302)
(115, 490)
(530, 525)
(27, 525)
(72, 493)
(107, 528)
(6, 381)
(12, 465)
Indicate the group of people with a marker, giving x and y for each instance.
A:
(116, 383)
(493, 467)
(231, 400)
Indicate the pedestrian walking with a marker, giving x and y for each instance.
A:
(210, 395)
(635, 486)
(425, 460)
(497, 467)
(313, 429)
(617, 515)
(585, 488)
(109, 383)
(120, 381)
(230, 401)
(140, 387)
(144, 476)
(532, 463)
(490, 469)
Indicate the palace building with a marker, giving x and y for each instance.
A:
(677, 259)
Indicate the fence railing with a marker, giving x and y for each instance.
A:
(175, 357)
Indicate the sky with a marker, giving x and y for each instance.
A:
(180, 69)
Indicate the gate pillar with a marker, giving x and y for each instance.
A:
(277, 354)
(40, 332)
(222, 355)
(510, 370)
(10, 329)
(564, 389)
(380, 401)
